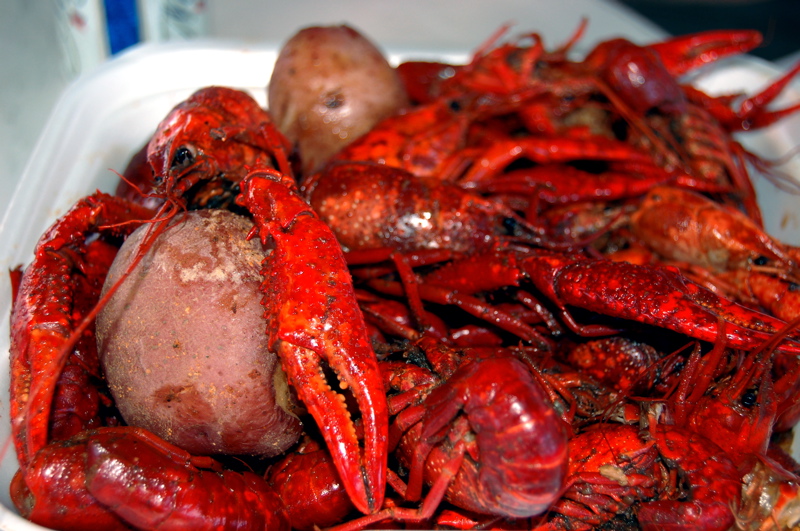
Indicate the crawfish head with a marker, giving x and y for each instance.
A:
(218, 131)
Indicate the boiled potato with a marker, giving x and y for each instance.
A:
(183, 341)
(331, 85)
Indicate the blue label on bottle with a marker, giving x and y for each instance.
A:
(122, 21)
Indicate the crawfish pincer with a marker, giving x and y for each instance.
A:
(313, 317)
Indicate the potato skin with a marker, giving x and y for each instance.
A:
(183, 341)
(329, 86)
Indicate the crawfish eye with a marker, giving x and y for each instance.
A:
(510, 225)
(455, 105)
(749, 398)
(761, 261)
(183, 157)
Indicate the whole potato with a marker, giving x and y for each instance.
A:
(331, 85)
(183, 341)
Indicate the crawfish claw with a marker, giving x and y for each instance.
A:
(313, 318)
(685, 53)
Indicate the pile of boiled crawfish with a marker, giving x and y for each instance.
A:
(560, 310)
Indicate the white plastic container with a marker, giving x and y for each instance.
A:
(102, 120)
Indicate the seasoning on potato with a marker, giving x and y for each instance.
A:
(183, 341)
(329, 86)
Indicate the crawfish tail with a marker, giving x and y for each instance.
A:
(50, 490)
(152, 484)
(521, 442)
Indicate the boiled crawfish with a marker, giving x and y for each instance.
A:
(621, 91)
(114, 475)
(493, 139)
(52, 315)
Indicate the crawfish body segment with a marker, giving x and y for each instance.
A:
(51, 489)
(417, 140)
(114, 478)
(313, 317)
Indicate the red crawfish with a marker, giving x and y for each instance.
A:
(683, 128)
(46, 326)
(738, 400)
(57, 290)
(637, 97)
(115, 478)
(207, 144)
(30, 348)
(478, 430)
(503, 68)
(635, 79)
(220, 131)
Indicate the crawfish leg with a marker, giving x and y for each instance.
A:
(313, 317)
(753, 113)
(44, 315)
(544, 151)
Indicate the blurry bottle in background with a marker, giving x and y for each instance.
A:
(164, 20)
(81, 29)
